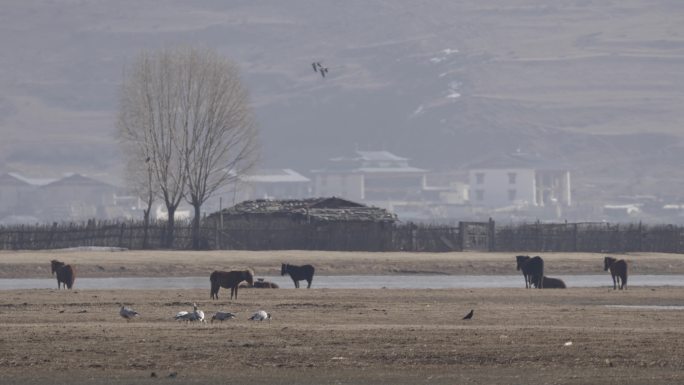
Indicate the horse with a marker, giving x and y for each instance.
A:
(298, 273)
(532, 269)
(553, 283)
(229, 279)
(618, 271)
(260, 284)
(65, 274)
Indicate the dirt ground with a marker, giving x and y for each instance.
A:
(335, 336)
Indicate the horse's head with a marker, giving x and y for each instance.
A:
(249, 277)
(520, 261)
(55, 264)
(607, 261)
(283, 269)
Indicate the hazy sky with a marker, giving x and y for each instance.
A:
(444, 83)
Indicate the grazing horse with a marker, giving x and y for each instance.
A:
(618, 270)
(553, 283)
(229, 279)
(65, 274)
(532, 269)
(298, 273)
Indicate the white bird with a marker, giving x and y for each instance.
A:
(222, 316)
(183, 316)
(128, 313)
(198, 315)
(260, 316)
(194, 315)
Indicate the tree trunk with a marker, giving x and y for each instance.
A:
(146, 226)
(196, 227)
(170, 225)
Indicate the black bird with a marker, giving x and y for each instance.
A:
(469, 315)
(314, 66)
(147, 160)
(324, 70)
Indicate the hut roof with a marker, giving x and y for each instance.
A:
(320, 209)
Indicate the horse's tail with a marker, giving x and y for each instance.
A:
(70, 276)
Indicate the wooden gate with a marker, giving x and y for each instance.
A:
(477, 236)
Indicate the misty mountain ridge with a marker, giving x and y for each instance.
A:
(447, 84)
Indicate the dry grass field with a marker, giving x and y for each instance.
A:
(88, 263)
(335, 336)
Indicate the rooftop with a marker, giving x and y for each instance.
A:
(320, 209)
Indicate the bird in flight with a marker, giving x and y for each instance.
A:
(318, 67)
(469, 315)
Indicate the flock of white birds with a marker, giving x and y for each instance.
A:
(196, 315)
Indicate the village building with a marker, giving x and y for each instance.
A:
(520, 180)
(73, 197)
(314, 223)
(274, 184)
(370, 176)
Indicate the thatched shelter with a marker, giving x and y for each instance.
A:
(315, 223)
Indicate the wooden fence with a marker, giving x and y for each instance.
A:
(483, 236)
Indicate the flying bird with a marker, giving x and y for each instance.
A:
(469, 315)
(222, 316)
(314, 67)
(260, 316)
(128, 313)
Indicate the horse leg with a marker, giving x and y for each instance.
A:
(614, 282)
(309, 281)
(296, 283)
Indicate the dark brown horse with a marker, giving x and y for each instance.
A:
(532, 270)
(618, 270)
(298, 273)
(552, 283)
(229, 279)
(65, 274)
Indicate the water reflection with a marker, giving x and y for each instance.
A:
(348, 282)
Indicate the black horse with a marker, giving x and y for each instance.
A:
(532, 269)
(65, 274)
(618, 270)
(553, 283)
(298, 273)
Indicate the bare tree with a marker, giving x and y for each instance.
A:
(220, 137)
(190, 116)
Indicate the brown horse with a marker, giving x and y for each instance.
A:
(65, 274)
(618, 271)
(229, 279)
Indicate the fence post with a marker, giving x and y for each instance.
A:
(461, 234)
(491, 237)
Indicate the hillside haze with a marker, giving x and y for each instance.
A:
(597, 84)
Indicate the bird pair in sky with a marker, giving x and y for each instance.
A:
(318, 67)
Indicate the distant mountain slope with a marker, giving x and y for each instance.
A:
(445, 83)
